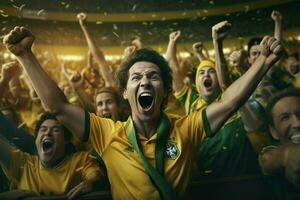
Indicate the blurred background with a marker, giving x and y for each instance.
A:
(115, 23)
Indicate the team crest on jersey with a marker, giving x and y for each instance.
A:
(172, 151)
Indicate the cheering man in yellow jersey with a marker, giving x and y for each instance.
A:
(56, 169)
(151, 155)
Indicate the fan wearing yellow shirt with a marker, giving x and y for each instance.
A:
(56, 169)
(151, 155)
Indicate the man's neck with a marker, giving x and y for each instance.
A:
(209, 99)
(146, 127)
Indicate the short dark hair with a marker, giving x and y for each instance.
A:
(288, 92)
(45, 116)
(253, 41)
(147, 55)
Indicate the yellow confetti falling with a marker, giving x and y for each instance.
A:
(78, 169)
(1, 11)
(16, 7)
(4, 29)
(15, 138)
(99, 22)
(40, 12)
(22, 6)
(224, 148)
(4, 15)
(205, 11)
(63, 3)
(208, 171)
(116, 34)
(67, 6)
(22, 124)
(93, 157)
(12, 1)
(134, 7)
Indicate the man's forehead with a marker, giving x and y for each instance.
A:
(144, 67)
(285, 104)
(51, 122)
(104, 96)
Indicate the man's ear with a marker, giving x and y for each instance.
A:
(125, 94)
(274, 133)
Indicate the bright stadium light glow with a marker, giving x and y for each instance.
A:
(70, 57)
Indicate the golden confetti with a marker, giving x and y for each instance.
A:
(116, 34)
(67, 6)
(224, 148)
(3, 29)
(40, 12)
(93, 157)
(16, 7)
(22, 124)
(205, 11)
(99, 22)
(4, 15)
(63, 3)
(21, 7)
(15, 138)
(78, 169)
(1, 11)
(134, 7)
(12, 1)
(208, 171)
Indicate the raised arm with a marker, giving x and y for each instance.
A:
(173, 62)
(19, 42)
(219, 32)
(17, 136)
(277, 18)
(198, 50)
(96, 52)
(240, 90)
(7, 72)
(77, 82)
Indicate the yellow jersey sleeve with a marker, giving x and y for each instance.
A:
(90, 165)
(99, 131)
(191, 128)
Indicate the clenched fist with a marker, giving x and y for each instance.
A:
(174, 35)
(19, 41)
(82, 17)
(272, 49)
(220, 30)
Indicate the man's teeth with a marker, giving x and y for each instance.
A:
(145, 95)
(295, 138)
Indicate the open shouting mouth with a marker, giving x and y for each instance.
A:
(145, 100)
(47, 145)
(207, 83)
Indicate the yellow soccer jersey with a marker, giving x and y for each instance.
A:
(27, 173)
(126, 173)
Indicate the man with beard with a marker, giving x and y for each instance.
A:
(151, 155)
(282, 159)
(56, 169)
